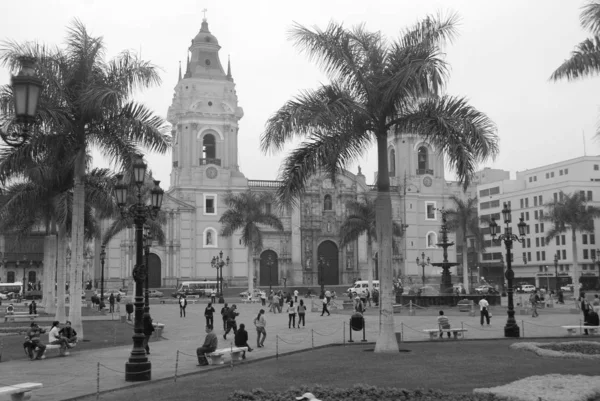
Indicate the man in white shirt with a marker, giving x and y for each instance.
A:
(483, 310)
(295, 296)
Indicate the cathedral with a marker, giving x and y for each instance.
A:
(204, 115)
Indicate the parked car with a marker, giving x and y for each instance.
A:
(567, 288)
(528, 288)
(155, 294)
(256, 293)
(485, 289)
(108, 292)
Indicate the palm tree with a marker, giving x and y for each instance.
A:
(246, 211)
(573, 213)
(378, 89)
(44, 198)
(86, 103)
(361, 220)
(463, 219)
(584, 59)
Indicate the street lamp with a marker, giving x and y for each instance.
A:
(270, 262)
(423, 263)
(511, 329)
(26, 88)
(139, 368)
(557, 285)
(323, 263)
(102, 258)
(218, 263)
(147, 244)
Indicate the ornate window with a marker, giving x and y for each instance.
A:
(392, 163)
(10, 277)
(431, 239)
(327, 203)
(423, 161)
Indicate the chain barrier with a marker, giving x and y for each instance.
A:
(413, 329)
(292, 342)
(478, 328)
(327, 335)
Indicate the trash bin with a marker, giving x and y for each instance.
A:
(123, 314)
(158, 329)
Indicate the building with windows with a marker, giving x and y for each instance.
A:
(527, 195)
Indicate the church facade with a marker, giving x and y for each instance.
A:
(205, 116)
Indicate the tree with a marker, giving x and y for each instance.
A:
(570, 212)
(247, 211)
(361, 220)
(86, 102)
(584, 59)
(378, 89)
(463, 219)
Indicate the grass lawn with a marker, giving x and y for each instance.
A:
(454, 366)
(98, 334)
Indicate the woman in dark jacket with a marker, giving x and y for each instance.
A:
(148, 330)
(241, 339)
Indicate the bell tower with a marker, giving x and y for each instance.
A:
(204, 115)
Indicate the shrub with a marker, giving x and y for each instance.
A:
(360, 392)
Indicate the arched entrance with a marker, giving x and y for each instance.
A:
(330, 272)
(269, 269)
(154, 271)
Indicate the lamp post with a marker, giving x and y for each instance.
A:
(557, 285)
(147, 244)
(26, 88)
(139, 368)
(270, 262)
(323, 263)
(511, 329)
(421, 262)
(102, 258)
(218, 263)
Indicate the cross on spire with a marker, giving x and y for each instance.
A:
(204, 12)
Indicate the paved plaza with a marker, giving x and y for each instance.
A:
(77, 374)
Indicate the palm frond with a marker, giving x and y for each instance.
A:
(584, 61)
(590, 16)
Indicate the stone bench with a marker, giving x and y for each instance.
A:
(52, 347)
(216, 357)
(18, 316)
(19, 391)
(433, 333)
(574, 329)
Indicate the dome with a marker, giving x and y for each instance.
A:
(204, 36)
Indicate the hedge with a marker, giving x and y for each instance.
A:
(359, 392)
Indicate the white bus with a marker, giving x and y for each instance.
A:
(11, 290)
(195, 288)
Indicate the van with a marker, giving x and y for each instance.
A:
(194, 289)
(361, 287)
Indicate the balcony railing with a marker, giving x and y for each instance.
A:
(264, 183)
(423, 171)
(204, 162)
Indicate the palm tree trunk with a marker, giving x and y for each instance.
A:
(49, 273)
(61, 280)
(576, 285)
(250, 268)
(465, 264)
(386, 342)
(77, 243)
(370, 263)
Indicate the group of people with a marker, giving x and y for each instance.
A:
(229, 315)
(590, 311)
(66, 337)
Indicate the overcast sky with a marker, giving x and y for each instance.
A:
(501, 61)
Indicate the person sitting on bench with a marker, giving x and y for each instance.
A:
(69, 334)
(210, 345)
(56, 338)
(33, 341)
(241, 339)
(443, 323)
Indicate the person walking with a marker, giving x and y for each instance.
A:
(224, 313)
(210, 345)
(280, 304)
(241, 339)
(231, 323)
(291, 310)
(208, 314)
(263, 298)
(585, 309)
(33, 308)
(483, 311)
(301, 314)
(296, 296)
(213, 296)
(368, 297)
(111, 301)
(182, 305)
(534, 299)
(596, 304)
(274, 303)
(148, 330)
(325, 302)
(261, 329)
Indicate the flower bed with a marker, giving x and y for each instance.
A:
(548, 388)
(573, 349)
(359, 392)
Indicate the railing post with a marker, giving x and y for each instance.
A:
(364, 340)
(350, 327)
